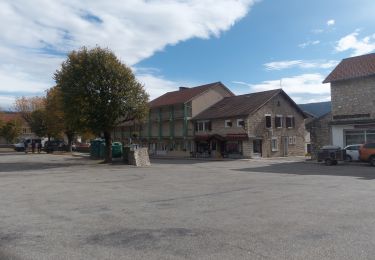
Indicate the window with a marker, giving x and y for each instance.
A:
(233, 147)
(292, 140)
(202, 126)
(279, 121)
(290, 123)
(240, 123)
(228, 123)
(274, 144)
(268, 121)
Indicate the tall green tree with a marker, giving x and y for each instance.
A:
(38, 123)
(99, 92)
(56, 120)
(10, 131)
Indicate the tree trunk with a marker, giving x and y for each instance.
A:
(108, 147)
(70, 136)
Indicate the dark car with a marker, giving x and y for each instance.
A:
(55, 145)
(330, 154)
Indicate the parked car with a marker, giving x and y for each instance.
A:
(352, 152)
(81, 147)
(55, 145)
(367, 153)
(20, 146)
(331, 154)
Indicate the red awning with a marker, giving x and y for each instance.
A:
(237, 137)
(209, 137)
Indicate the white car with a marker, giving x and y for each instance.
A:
(352, 152)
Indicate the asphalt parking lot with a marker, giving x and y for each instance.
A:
(64, 207)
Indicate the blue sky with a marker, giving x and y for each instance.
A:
(248, 45)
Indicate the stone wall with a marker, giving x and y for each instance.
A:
(320, 133)
(279, 105)
(355, 96)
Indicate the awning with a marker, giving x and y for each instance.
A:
(209, 137)
(237, 137)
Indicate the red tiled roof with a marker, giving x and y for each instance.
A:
(242, 105)
(182, 96)
(355, 67)
(237, 105)
(9, 116)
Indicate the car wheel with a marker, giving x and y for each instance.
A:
(334, 162)
(372, 160)
(328, 162)
(348, 158)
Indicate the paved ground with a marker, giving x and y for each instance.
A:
(63, 207)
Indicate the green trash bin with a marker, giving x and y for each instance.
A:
(116, 149)
(95, 148)
(102, 150)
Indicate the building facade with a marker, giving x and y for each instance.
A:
(168, 129)
(353, 101)
(263, 124)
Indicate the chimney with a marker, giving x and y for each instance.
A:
(183, 88)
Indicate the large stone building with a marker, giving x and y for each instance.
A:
(353, 100)
(168, 129)
(210, 121)
(263, 124)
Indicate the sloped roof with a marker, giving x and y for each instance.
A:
(355, 67)
(9, 116)
(184, 95)
(238, 105)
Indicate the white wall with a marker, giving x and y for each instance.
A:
(338, 134)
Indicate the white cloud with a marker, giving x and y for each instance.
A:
(157, 85)
(331, 22)
(301, 64)
(36, 35)
(308, 43)
(304, 88)
(357, 46)
(317, 31)
(6, 102)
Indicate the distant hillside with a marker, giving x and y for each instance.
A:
(316, 109)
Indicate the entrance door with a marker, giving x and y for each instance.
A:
(257, 148)
(285, 141)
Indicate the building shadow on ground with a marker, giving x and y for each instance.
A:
(49, 163)
(358, 170)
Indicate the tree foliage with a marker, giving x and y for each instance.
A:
(26, 105)
(10, 131)
(99, 92)
(57, 121)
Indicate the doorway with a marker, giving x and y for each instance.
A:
(257, 148)
(285, 141)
